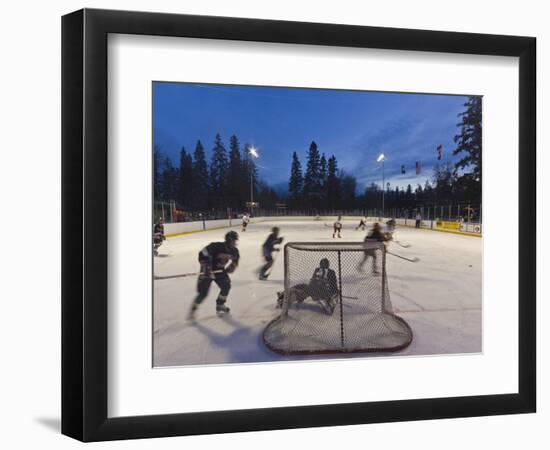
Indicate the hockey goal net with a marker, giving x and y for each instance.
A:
(335, 300)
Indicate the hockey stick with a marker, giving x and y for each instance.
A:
(179, 275)
(401, 244)
(182, 275)
(413, 260)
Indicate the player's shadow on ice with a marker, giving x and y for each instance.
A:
(242, 344)
(417, 278)
(271, 281)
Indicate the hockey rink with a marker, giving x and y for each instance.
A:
(440, 296)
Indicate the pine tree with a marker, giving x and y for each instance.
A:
(235, 174)
(157, 173)
(409, 197)
(296, 182)
(419, 194)
(267, 197)
(444, 181)
(373, 196)
(169, 180)
(219, 168)
(185, 179)
(200, 179)
(323, 176)
(468, 169)
(348, 186)
(332, 183)
(312, 179)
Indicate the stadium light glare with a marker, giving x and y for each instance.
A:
(381, 157)
(253, 152)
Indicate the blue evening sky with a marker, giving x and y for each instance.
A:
(354, 126)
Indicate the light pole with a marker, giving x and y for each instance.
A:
(382, 158)
(252, 152)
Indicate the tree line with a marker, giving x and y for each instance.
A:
(225, 181)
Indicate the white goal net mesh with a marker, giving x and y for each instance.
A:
(336, 299)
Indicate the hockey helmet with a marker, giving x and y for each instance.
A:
(231, 237)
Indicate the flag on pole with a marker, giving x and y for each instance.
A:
(439, 150)
(402, 169)
(418, 168)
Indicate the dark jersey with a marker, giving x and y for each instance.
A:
(270, 242)
(337, 225)
(325, 278)
(218, 254)
(159, 228)
(375, 235)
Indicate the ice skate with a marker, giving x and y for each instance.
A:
(280, 299)
(222, 310)
(191, 313)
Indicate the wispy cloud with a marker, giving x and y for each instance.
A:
(354, 126)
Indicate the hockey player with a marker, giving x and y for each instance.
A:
(374, 235)
(246, 220)
(390, 228)
(337, 227)
(158, 235)
(267, 249)
(322, 288)
(362, 224)
(217, 260)
(418, 220)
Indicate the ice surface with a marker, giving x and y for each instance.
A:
(439, 296)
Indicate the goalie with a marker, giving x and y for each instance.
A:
(322, 289)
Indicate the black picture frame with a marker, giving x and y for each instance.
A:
(84, 224)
